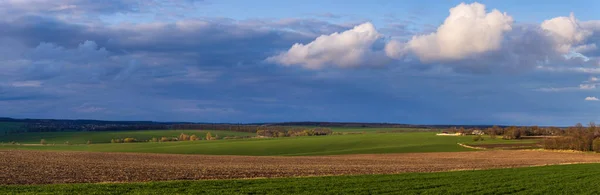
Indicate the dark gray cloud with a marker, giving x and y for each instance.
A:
(64, 69)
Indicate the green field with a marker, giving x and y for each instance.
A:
(376, 130)
(559, 179)
(105, 137)
(291, 146)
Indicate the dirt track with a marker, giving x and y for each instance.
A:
(43, 167)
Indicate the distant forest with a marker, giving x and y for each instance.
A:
(57, 125)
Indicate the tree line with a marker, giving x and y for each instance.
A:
(578, 137)
(513, 132)
(292, 131)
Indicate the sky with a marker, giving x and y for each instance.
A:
(416, 62)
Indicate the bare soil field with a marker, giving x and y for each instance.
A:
(45, 167)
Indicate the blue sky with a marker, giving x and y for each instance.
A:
(485, 62)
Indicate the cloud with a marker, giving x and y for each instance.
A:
(88, 108)
(557, 89)
(26, 84)
(473, 40)
(470, 40)
(587, 86)
(395, 49)
(591, 99)
(202, 111)
(328, 15)
(586, 70)
(80, 7)
(350, 48)
(468, 30)
(566, 32)
(583, 87)
(585, 48)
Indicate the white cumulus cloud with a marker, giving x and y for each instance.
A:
(566, 32)
(591, 99)
(468, 30)
(471, 39)
(350, 48)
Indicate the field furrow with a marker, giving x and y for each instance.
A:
(45, 167)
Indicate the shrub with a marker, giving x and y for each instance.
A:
(154, 139)
(576, 138)
(281, 134)
(478, 138)
(68, 143)
(129, 140)
(184, 137)
(209, 136)
(596, 145)
(43, 142)
(461, 131)
(194, 138)
(168, 139)
(561, 143)
(550, 143)
(512, 133)
(89, 142)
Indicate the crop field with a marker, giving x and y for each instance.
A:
(379, 130)
(289, 146)
(105, 137)
(36, 167)
(559, 179)
(352, 163)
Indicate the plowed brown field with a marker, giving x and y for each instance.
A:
(44, 167)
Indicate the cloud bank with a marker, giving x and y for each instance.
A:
(470, 39)
(148, 60)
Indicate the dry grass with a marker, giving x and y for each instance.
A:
(43, 167)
